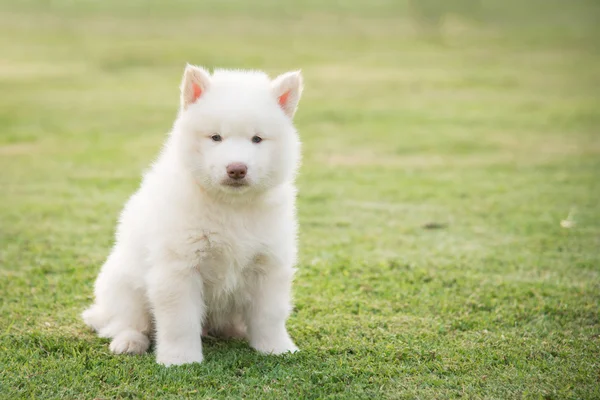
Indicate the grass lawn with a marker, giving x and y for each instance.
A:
(437, 171)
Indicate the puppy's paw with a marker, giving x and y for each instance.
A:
(130, 342)
(178, 357)
(275, 346)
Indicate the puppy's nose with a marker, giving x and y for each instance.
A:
(237, 170)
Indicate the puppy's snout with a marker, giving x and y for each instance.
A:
(237, 170)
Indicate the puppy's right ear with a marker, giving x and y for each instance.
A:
(195, 82)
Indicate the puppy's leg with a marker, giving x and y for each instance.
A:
(175, 293)
(130, 325)
(120, 311)
(268, 311)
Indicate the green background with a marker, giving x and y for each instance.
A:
(443, 146)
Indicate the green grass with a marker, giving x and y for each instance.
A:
(488, 128)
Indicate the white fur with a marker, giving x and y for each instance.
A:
(193, 255)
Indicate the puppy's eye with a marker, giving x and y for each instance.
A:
(256, 139)
(216, 138)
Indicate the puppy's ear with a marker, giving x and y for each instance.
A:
(287, 89)
(195, 82)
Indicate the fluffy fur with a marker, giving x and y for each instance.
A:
(195, 250)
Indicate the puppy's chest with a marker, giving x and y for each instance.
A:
(226, 255)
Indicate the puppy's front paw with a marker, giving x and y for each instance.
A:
(275, 346)
(178, 357)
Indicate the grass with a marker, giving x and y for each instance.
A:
(438, 166)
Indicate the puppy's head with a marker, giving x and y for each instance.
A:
(235, 129)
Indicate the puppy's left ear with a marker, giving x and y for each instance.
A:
(287, 89)
(195, 82)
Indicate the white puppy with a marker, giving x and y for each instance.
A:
(208, 242)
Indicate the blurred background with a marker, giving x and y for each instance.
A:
(444, 143)
(444, 94)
